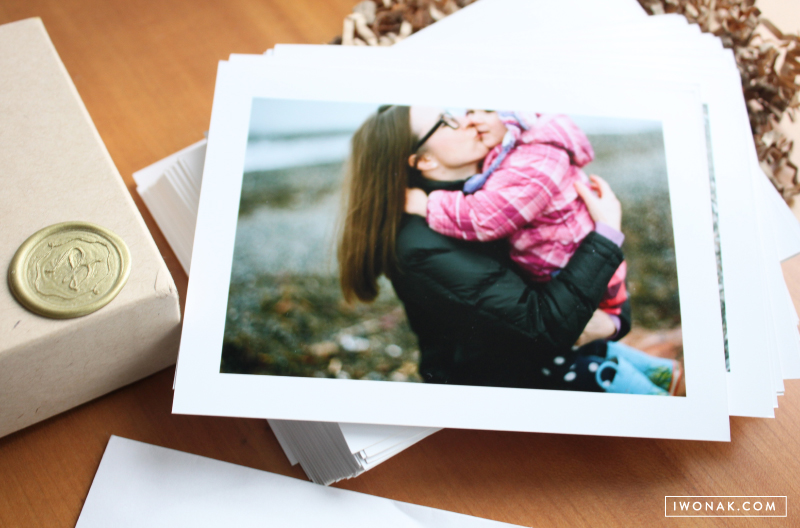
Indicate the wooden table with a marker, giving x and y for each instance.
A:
(146, 71)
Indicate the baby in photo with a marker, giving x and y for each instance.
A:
(528, 193)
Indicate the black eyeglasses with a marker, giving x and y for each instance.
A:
(445, 119)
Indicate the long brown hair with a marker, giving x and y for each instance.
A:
(375, 193)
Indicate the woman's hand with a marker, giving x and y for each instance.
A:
(601, 201)
(416, 202)
(600, 326)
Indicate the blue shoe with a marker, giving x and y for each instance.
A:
(621, 377)
(665, 373)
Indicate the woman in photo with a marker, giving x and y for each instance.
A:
(478, 321)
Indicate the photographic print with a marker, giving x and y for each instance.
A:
(416, 244)
(454, 258)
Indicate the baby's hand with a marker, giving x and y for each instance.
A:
(416, 202)
(601, 202)
(600, 326)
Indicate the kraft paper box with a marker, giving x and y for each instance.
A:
(54, 168)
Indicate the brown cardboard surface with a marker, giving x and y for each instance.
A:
(55, 168)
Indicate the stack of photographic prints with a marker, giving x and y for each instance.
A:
(530, 216)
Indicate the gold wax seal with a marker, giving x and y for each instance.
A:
(69, 270)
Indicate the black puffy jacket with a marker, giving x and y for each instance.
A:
(478, 322)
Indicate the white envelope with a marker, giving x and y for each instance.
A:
(141, 485)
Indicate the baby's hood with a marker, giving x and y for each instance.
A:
(559, 131)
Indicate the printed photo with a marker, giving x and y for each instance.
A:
(455, 246)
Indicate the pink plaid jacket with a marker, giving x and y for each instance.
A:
(531, 200)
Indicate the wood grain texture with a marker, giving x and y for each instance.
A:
(146, 71)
